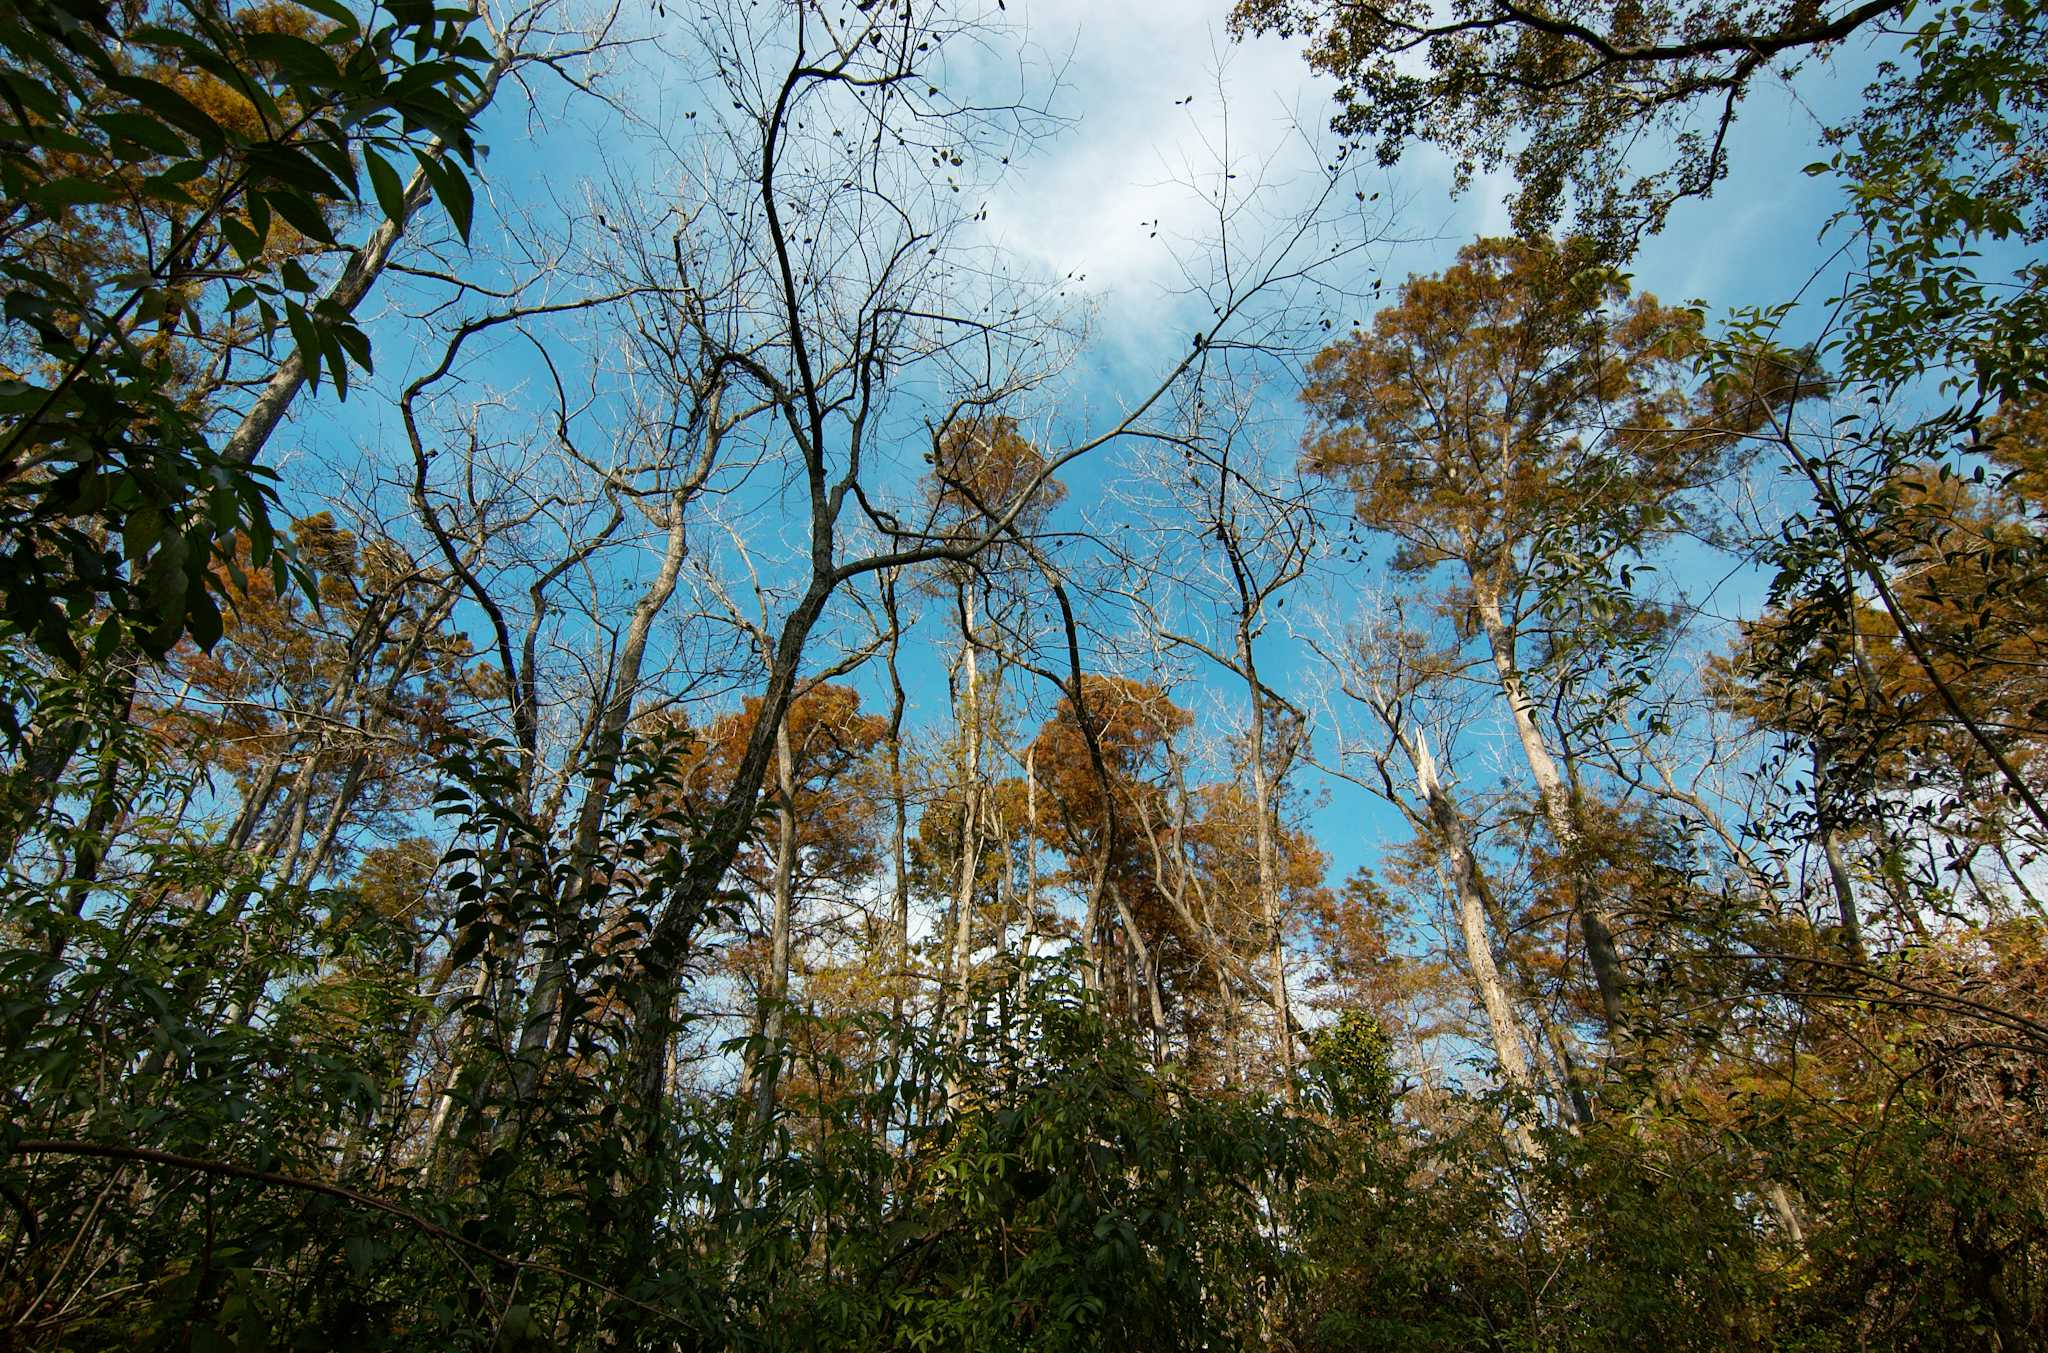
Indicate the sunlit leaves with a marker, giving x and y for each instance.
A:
(157, 145)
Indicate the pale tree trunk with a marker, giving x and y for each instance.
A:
(1174, 885)
(348, 705)
(775, 982)
(1845, 893)
(345, 799)
(1788, 1215)
(365, 265)
(1468, 890)
(345, 702)
(276, 854)
(970, 825)
(1558, 1040)
(1601, 952)
(407, 1093)
(53, 739)
(444, 1103)
(282, 846)
(1147, 974)
(1024, 942)
(1006, 878)
(101, 822)
(1269, 873)
(1091, 927)
(1837, 863)
(653, 1000)
(548, 1015)
(301, 867)
(255, 802)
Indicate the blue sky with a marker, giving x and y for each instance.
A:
(1157, 98)
(1156, 90)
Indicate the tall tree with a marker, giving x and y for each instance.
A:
(1101, 760)
(1523, 420)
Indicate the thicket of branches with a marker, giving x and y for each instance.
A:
(657, 761)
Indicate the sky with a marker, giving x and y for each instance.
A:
(1156, 98)
(1082, 204)
(1156, 90)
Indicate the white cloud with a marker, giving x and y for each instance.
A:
(1151, 124)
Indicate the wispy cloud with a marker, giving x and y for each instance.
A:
(1162, 102)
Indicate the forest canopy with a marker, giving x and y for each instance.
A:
(661, 688)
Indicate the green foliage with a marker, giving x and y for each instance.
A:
(1945, 180)
(214, 1086)
(1353, 1061)
(154, 168)
(1563, 94)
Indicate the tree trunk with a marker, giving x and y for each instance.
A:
(970, 825)
(365, 265)
(1601, 952)
(1030, 870)
(1147, 973)
(1837, 863)
(1269, 880)
(899, 825)
(546, 1025)
(1467, 889)
(775, 983)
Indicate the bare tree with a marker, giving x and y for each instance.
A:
(860, 309)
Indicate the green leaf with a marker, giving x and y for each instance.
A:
(291, 166)
(241, 239)
(390, 191)
(49, 138)
(31, 94)
(164, 188)
(469, 943)
(106, 641)
(174, 108)
(346, 26)
(453, 190)
(296, 57)
(164, 583)
(222, 65)
(333, 151)
(202, 618)
(354, 341)
(301, 214)
(185, 171)
(148, 132)
(305, 334)
(57, 194)
(141, 531)
(337, 361)
(258, 208)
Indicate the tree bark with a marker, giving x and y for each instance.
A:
(1454, 839)
(775, 982)
(970, 824)
(899, 805)
(365, 265)
(1602, 954)
(1269, 880)
(546, 1025)
(1837, 863)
